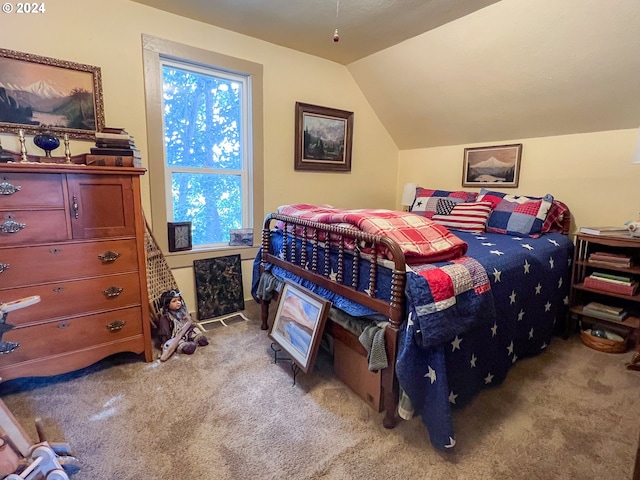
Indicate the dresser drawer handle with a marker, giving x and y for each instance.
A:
(11, 226)
(3, 267)
(108, 256)
(116, 325)
(58, 289)
(63, 325)
(55, 251)
(8, 347)
(74, 206)
(7, 188)
(112, 292)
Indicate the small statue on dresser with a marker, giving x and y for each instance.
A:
(176, 331)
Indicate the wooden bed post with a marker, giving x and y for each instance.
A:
(264, 304)
(264, 314)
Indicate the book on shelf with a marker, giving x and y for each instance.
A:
(603, 230)
(614, 259)
(112, 142)
(609, 277)
(604, 308)
(113, 160)
(611, 287)
(609, 316)
(602, 263)
(112, 136)
(610, 256)
(615, 263)
(113, 130)
(127, 152)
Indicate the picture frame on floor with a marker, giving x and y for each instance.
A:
(299, 323)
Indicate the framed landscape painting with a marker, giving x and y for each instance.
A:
(35, 91)
(323, 138)
(299, 324)
(497, 166)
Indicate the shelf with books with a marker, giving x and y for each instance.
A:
(608, 266)
(629, 322)
(605, 283)
(601, 290)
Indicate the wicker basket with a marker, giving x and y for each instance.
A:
(602, 344)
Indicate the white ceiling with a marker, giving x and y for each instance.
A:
(448, 72)
(364, 26)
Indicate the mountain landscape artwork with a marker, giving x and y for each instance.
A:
(499, 166)
(323, 138)
(40, 92)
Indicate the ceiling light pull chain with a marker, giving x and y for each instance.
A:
(336, 35)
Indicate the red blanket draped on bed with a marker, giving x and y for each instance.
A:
(421, 239)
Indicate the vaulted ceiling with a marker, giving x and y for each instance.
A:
(448, 72)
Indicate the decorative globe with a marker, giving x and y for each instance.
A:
(46, 141)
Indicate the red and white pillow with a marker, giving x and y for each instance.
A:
(466, 216)
(426, 200)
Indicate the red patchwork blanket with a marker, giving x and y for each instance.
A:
(419, 238)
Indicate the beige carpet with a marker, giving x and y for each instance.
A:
(228, 412)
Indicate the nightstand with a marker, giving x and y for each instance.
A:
(584, 265)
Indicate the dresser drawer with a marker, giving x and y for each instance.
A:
(41, 341)
(68, 261)
(23, 190)
(74, 298)
(20, 227)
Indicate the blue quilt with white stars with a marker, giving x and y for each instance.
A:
(529, 281)
(469, 320)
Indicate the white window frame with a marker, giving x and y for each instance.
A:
(155, 52)
(245, 171)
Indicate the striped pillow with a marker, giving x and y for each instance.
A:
(467, 217)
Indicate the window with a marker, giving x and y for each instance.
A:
(204, 120)
(207, 159)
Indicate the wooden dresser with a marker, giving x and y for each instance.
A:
(73, 235)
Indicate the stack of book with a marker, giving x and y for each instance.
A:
(607, 282)
(605, 311)
(114, 147)
(604, 230)
(611, 259)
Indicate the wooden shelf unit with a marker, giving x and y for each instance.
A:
(621, 243)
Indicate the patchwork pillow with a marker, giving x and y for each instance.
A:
(516, 214)
(426, 201)
(465, 216)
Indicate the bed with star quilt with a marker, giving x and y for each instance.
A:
(457, 321)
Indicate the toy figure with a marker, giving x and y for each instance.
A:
(176, 330)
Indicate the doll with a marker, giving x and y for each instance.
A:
(173, 317)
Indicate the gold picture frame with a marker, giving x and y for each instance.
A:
(323, 138)
(497, 166)
(66, 97)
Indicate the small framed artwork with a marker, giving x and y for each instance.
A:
(242, 237)
(299, 323)
(179, 236)
(497, 166)
(66, 97)
(323, 138)
(219, 289)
